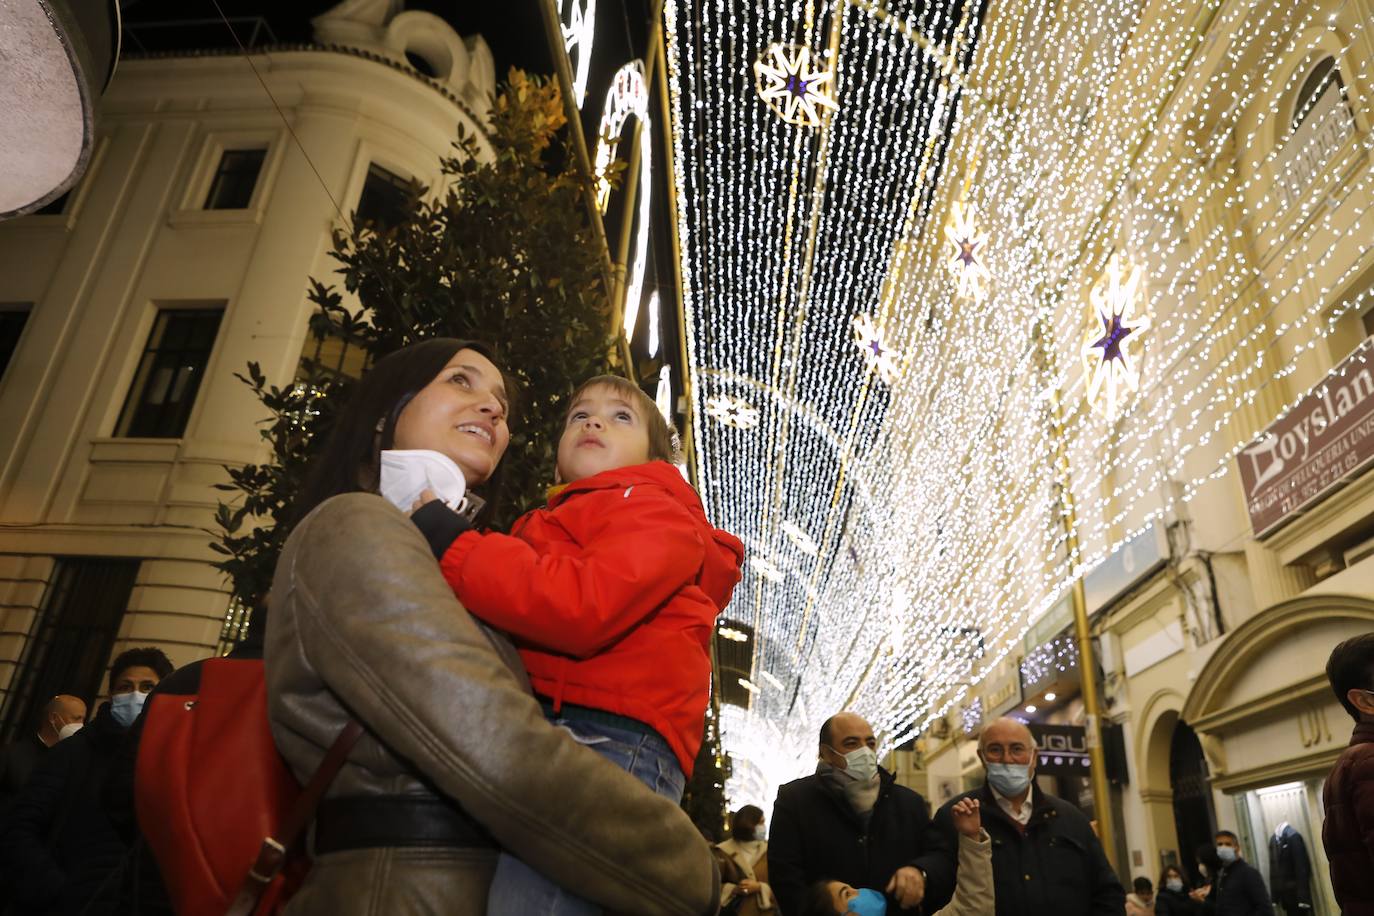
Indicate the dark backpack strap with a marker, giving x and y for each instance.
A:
(273, 852)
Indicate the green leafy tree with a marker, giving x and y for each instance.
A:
(503, 253)
(703, 798)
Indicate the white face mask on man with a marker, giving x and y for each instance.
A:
(861, 764)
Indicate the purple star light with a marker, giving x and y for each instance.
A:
(1114, 332)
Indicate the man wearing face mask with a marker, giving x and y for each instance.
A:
(851, 822)
(61, 717)
(65, 842)
(1237, 888)
(1045, 856)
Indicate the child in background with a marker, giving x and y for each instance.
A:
(1141, 902)
(973, 894)
(611, 593)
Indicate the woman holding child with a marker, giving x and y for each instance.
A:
(458, 761)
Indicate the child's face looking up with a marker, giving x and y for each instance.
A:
(604, 431)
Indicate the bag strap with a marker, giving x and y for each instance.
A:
(272, 854)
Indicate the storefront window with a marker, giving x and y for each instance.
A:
(1281, 827)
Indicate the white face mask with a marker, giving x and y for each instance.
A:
(406, 473)
(66, 731)
(861, 764)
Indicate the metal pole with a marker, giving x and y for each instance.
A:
(627, 207)
(553, 32)
(670, 170)
(627, 225)
(1087, 662)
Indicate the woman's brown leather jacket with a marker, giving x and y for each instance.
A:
(361, 623)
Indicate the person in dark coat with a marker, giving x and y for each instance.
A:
(1237, 887)
(1348, 796)
(68, 842)
(1045, 856)
(60, 718)
(1171, 896)
(851, 822)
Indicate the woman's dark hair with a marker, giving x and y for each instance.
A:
(1142, 885)
(817, 900)
(1351, 665)
(744, 824)
(348, 462)
(1164, 877)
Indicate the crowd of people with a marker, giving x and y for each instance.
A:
(522, 709)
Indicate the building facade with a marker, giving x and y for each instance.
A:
(129, 307)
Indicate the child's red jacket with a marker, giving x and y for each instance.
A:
(611, 593)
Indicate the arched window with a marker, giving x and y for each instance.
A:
(1323, 75)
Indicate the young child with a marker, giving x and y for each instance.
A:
(611, 593)
(973, 895)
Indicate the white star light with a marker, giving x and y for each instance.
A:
(786, 81)
(877, 352)
(732, 411)
(578, 19)
(803, 541)
(663, 396)
(767, 568)
(1111, 369)
(627, 96)
(971, 275)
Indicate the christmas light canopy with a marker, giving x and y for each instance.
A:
(889, 358)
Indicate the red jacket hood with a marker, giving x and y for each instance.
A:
(724, 553)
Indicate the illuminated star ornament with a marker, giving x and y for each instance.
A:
(733, 412)
(791, 87)
(971, 275)
(767, 568)
(877, 352)
(578, 19)
(1112, 346)
(798, 536)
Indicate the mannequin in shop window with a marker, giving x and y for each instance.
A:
(1290, 871)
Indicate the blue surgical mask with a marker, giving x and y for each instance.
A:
(125, 707)
(1227, 854)
(1009, 779)
(1175, 885)
(868, 903)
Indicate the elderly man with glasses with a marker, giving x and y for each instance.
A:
(1045, 856)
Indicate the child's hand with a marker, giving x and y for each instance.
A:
(967, 819)
(426, 496)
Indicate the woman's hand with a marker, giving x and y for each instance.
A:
(426, 496)
(748, 886)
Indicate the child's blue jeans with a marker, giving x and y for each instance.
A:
(517, 889)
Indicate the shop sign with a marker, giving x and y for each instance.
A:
(1304, 158)
(1002, 689)
(1315, 448)
(1063, 749)
(1137, 559)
